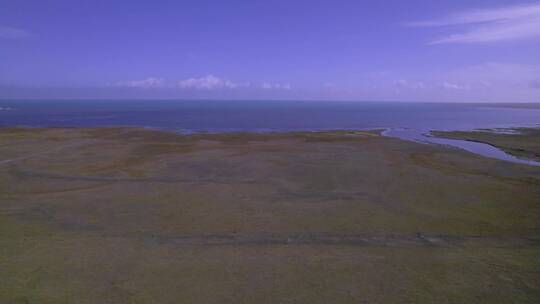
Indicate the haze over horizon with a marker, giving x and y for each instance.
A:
(420, 50)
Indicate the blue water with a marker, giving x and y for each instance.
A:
(405, 120)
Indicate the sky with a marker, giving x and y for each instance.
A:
(387, 50)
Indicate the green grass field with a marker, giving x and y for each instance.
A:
(124, 215)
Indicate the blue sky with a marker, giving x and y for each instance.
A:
(416, 50)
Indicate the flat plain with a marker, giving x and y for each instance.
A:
(126, 215)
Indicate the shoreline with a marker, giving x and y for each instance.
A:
(432, 137)
(517, 141)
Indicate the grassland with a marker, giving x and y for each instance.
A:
(123, 215)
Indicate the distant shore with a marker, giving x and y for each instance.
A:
(522, 105)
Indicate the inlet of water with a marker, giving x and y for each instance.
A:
(470, 146)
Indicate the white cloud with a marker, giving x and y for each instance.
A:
(148, 83)
(407, 84)
(495, 74)
(491, 25)
(13, 33)
(486, 82)
(275, 86)
(330, 86)
(209, 82)
(492, 75)
(206, 83)
(454, 86)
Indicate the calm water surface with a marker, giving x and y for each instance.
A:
(409, 121)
